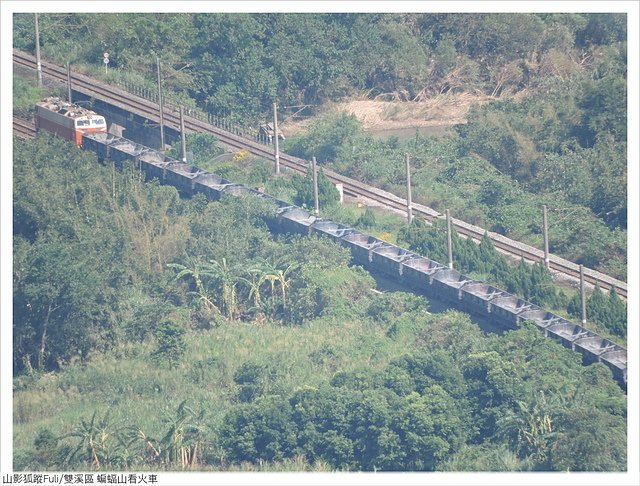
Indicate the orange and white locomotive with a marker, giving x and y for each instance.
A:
(68, 120)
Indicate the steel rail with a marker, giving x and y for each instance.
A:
(148, 109)
(23, 128)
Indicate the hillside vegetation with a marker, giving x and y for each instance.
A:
(240, 63)
(153, 332)
(555, 133)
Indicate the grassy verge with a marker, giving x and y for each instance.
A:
(133, 390)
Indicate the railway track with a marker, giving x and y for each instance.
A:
(23, 128)
(149, 110)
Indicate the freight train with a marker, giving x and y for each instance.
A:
(411, 270)
(68, 120)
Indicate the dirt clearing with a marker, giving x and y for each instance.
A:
(376, 115)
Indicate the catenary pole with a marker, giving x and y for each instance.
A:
(449, 244)
(276, 149)
(583, 300)
(316, 202)
(545, 231)
(409, 205)
(160, 110)
(183, 136)
(38, 62)
(69, 82)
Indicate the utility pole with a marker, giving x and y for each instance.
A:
(38, 63)
(583, 299)
(160, 106)
(545, 232)
(409, 207)
(69, 82)
(449, 244)
(183, 136)
(316, 202)
(276, 150)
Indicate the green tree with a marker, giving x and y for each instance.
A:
(617, 319)
(234, 230)
(263, 430)
(184, 441)
(603, 29)
(254, 280)
(530, 429)
(487, 457)
(582, 445)
(324, 292)
(170, 343)
(431, 368)
(390, 305)
(492, 387)
(240, 88)
(183, 444)
(47, 449)
(141, 312)
(605, 108)
(367, 220)
(427, 431)
(609, 312)
(494, 133)
(25, 96)
(55, 304)
(325, 136)
(254, 380)
(597, 305)
(203, 146)
(446, 54)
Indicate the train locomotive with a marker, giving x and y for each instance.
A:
(420, 273)
(68, 120)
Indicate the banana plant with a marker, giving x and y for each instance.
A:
(195, 270)
(97, 442)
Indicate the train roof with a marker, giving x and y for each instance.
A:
(65, 108)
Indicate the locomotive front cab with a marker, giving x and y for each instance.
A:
(88, 124)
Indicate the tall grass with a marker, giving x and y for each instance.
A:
(137, 391)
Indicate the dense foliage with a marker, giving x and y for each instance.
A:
(104, 256)
(569, 139)
(534, 283)
(242, 62)
(178, 341)
(304, 195)
(562, 138)
(609, 311)
(152, 332)
(576, 186)
(25, 96)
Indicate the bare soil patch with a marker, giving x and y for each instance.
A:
(379, 115)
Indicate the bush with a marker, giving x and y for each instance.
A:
(25, 96)
(264, 430)
(325, 136)
(327, 193)
(254, 380)
(367, 220)
(610, 312)
(170, 343)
